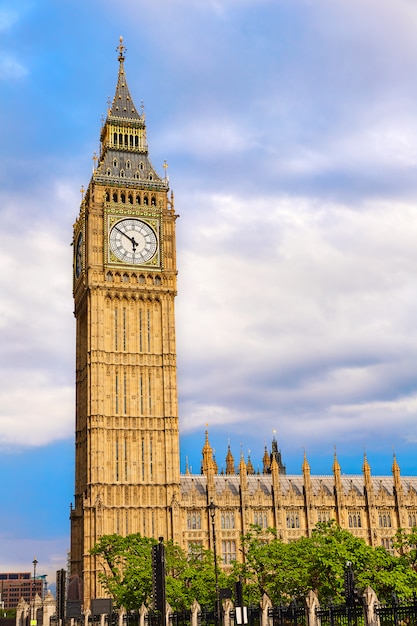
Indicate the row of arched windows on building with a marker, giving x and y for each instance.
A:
(130, 198)
(141, 279)
(385, 520)
(125, 140)
(355, 520)
(227, 519)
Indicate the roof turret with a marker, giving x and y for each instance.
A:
(230, 462)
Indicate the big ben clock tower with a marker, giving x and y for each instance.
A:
(127, 443)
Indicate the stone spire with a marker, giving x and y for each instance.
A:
(243, 473)
(306, 466)
(123, 107)
(207, 462)
(366, 469)
(336, 471)
(338, 489)
(397, 477)
(230, 462)
(266, 462)
(249, 466)
(275, 453)
(396, 471)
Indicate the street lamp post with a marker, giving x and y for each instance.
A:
(33, 621)
(34, 562)
(212, 509)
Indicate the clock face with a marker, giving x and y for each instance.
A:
(79, 255)
(133, 241)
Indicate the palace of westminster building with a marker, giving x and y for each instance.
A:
(127, 476)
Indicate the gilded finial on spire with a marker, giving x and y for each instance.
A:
(121, 49)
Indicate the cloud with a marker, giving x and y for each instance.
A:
(36, 330)
(17, 554)
(296, 309)
(10, 68)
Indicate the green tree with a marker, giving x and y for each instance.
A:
(127, 568)
(127, 572)
(405, 542)
(290, 570)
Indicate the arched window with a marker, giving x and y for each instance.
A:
(227, 519)
(153, 201)
(114, 196)
(293, 521)
(228, 552)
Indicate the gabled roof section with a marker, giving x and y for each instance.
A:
(123, 106)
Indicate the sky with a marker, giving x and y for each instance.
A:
(290, 130)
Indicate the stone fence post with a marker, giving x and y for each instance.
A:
(227, 609)
(370, 600)
(143, 611)
(313, 604)
(22, 612)
(195, 610)
(168, 612)
(264, 605)
(49, 608)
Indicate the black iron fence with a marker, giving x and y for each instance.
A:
(292, 615)
(207, 617)
(180, 618)
(394, 613)
(341, 615)
(398, 612)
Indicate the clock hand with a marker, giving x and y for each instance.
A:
(131, 239)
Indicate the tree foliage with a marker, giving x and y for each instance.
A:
(290, 570)
(127, 572)
(405, 542)
(284, 571)
(127, 568)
